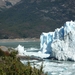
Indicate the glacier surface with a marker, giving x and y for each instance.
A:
(60, 44)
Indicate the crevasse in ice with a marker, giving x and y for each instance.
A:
(60, 44)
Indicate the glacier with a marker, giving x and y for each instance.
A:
(60, 44)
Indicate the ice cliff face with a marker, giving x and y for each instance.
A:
(60, 44)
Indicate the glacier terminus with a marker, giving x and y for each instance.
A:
(60, 44)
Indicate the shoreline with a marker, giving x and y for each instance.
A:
(20, 40)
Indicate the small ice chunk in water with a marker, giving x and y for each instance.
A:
(20, 50)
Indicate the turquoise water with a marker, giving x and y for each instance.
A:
(25, 44)
(53, 67)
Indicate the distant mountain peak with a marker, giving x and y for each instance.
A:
(29, 18)
(8, 3)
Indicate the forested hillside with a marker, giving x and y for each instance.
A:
(29, 18)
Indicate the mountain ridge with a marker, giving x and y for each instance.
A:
(30, 18)
(8, 3)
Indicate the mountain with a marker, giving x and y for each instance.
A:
(8, 3)
(29, 18)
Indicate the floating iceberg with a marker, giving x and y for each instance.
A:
(20, 50)
(60, 44)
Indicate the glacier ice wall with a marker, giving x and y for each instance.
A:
(60, 44)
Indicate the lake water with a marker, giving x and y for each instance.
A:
(52, 67)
